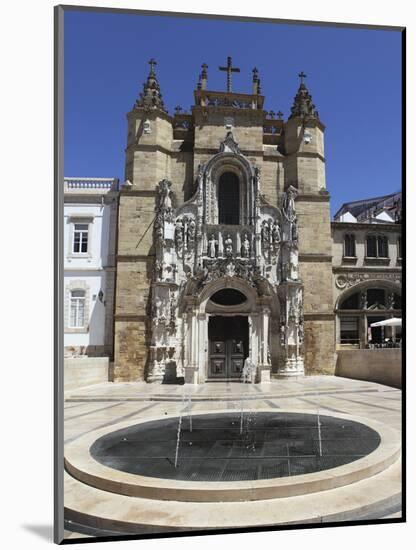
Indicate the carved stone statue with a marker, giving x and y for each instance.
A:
(191, 230)
(289, 203)
(363, 300)
(165, 202)
(212, 244)
(276, 234)
(265, 234)
(172, 309)
(282, 334)
(228, 246)
(257, 175)
(294, 230)
(158, 270)
(301, 332)
(245, 247)
(159, 233)
(178, 236)
(293, 265)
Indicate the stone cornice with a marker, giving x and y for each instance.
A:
(308, 123)
(319, 316)
(306, 154)
(364, 269)
(134, 257)
(89, 269)
(151, 114)
(373, 227)
(90, 198)
(310, 197)
(140, 192)
(212, 151)
(315, 258)
(152, 148)
(132, 317)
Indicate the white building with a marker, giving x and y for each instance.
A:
(90, 222)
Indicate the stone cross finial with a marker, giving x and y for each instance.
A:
(152, 64)
(280, 115)
(302, 76)
(229, 69)
(271, 114)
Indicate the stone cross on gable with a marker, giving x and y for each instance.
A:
(302, 76)
(229, 69)
(152, 64)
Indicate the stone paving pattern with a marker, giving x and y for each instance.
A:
(102, 405)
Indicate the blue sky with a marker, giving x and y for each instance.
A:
(354, 76)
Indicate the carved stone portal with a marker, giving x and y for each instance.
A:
(192, 255)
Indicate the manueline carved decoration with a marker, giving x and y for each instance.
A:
(192, 250)
(228, 246)
(347, 280)
(212, 247)
(245, 247)
(229, 145)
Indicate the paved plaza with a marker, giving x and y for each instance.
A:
(102, 406)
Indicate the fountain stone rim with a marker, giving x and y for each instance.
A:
(81, 465)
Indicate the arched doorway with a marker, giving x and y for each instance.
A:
(228, 335)
(228, 346)
(229, 199)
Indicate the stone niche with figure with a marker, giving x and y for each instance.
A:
(223, 240)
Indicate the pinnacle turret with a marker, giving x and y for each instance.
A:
(302, 105)
(151, 97)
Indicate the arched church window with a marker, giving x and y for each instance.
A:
(229, 199)
(228, 297)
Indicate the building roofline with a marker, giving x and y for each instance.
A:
(364, 201)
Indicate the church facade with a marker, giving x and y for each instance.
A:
(224, 239)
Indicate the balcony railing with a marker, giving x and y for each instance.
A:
(102, 185)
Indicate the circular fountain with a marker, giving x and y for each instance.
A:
(224, 456)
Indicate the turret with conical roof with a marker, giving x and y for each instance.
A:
(304, 144)
(302, 105)
(149, 129)
(151, 96)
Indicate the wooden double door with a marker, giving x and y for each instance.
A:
(228, 346)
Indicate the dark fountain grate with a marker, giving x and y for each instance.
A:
(272, 444)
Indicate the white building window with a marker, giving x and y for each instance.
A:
(77, 309)
(80, 240)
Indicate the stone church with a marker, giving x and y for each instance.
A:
(224, 243)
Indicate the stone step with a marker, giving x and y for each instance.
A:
(103, 510)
